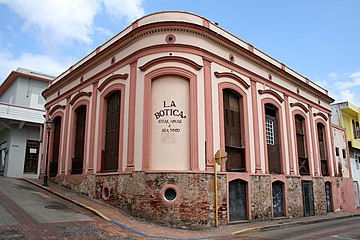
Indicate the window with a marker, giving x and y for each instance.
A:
(356, 129)
(357, 163)
(272, 138)
(269, 131)
(344, 153)
(234, 145)
(110, 156)
(322, 149)
(337, 151)
(77, 161)
(301, 145)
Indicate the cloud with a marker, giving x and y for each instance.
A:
(345, 87)
(36, 62)
(66, 21)
(131, 9)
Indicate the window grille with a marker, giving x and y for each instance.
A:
(270, 132)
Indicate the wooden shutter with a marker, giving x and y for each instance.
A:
(77, 161)
(301, 146)
(111, 152)
(272, 139)
(233, 131)
(53, 168)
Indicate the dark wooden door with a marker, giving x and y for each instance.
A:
(237, 200)
(111, 152)
(278, 199)
(77, 161)
(308, 198)
(55, 148)
(328, 197)
(31, 156)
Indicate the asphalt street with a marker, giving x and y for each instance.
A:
(339, 229)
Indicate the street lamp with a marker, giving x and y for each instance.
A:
(48, 125)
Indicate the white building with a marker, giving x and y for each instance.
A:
(21, 119)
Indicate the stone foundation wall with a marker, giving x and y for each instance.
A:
(261, 197)
(294, 197)
(319, 196)
(142, 195)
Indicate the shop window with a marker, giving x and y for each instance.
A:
(234, 145)
(301, 145)
(110, 154)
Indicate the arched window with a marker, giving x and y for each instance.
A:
(234, 131)
(110, 156)
(77, 160)
(53, 168)
(322, 149)
(301, 145)
(272, 138)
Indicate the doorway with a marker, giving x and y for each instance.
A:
(237, 200)
(278, 199)
(328, 197)
(31, 156)
(308, 198)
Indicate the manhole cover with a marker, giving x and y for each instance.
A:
(56, 206)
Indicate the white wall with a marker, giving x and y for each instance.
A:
(16, 155)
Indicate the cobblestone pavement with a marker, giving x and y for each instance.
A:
(18, 223)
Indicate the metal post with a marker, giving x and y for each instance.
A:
(216, 198)
(48, 128)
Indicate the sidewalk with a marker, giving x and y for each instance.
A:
(150, 230)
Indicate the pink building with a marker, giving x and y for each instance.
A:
(137, 123)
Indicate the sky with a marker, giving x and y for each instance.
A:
(319, 39)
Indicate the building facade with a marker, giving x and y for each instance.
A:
(347, 115)
(21, 118)
(137, 123)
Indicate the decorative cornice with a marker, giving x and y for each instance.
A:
(271, 92)
(321, 115)
(300, 105)
(232, 76)
(178, 59)
(79, 95)
(111, 78)
(56, 108)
